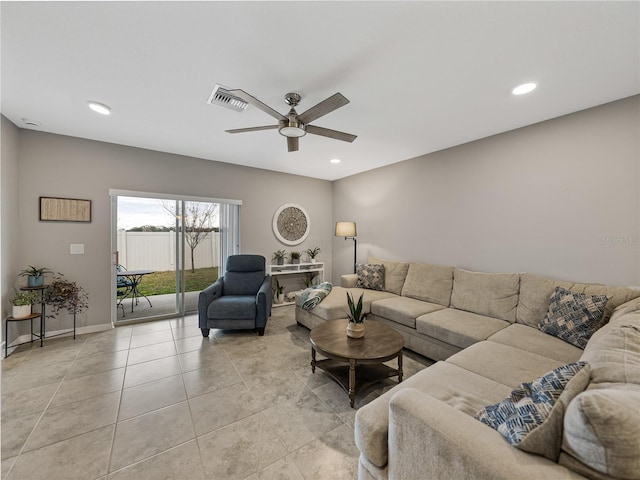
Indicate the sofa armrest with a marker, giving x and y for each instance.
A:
(264, 299)
(430, 439)
(349, 280)
(207, 296)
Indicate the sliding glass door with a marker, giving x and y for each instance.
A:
(166, 249)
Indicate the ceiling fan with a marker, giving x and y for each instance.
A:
(294, 125)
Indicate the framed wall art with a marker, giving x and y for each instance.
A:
(54, 209)
(291, 224)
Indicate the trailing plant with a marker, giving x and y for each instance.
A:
(34, 271)
(355, 309)
(312, 253)
(25, 298)
(63, 294)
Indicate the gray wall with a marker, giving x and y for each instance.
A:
(559, 198)
(9, 211)
(59, 166)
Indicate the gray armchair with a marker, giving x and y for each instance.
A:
(241, 299)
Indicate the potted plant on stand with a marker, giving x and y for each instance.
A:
(279, 257)
(22, 302)
(278, 292)
(35, 275)
(295, 257)
(355, 327)
(63, 294)
(312, 253)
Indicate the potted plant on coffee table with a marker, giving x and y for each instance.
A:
(35, 275)
(22, 302)
(355, 327)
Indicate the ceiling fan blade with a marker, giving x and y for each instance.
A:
(325, 132)
(258, 104)
(252, 129)
(326, 106)
(292, 143)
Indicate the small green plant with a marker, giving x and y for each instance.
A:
(25, 298)
(312, 253)
(34, 271)
(279, 256)
(308, 279)
(295, 255)
(278, 289)
(355, 310)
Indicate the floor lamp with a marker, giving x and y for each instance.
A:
(348, 230)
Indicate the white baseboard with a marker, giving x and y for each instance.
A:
(79, 331)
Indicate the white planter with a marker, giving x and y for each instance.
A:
(355, 330)
(21, 311)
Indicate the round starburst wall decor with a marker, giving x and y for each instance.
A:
(291, 224)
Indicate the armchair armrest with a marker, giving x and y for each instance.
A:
(349, 280)
(264, 299)
(430, 439)
(207, 296)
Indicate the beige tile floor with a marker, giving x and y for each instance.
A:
(158, 401)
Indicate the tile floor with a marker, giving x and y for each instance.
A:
(158, 401)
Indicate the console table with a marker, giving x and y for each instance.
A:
(295, 268)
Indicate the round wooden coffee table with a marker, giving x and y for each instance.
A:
(356, 363)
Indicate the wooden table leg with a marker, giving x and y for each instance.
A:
(400, 367)
(313, 360)
(352, 382)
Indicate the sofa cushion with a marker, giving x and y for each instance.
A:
(394, 274)
(531, 416)
(536, 290)
(233, 307)
(490, 294)
(463, 390)
(334, 305)
(573, 317)
(502, 363)
(602, 430)
(403, 310)
(429, 283)
(615, 356)
(370, 275)
(533, 340)
(457, 327)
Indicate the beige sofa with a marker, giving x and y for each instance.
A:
(483, 329)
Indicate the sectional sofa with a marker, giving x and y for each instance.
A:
(483, 330)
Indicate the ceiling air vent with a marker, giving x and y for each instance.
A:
(221, 97)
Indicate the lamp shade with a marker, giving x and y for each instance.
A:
(346, 229)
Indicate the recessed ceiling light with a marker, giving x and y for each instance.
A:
(100, 108)
(524, 88)
(335, 160)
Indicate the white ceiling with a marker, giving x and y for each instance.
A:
(421, 76)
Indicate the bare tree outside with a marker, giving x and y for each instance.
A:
(200, 219)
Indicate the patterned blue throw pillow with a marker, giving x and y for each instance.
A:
(370, 275)
(573, 317)
(531, 404)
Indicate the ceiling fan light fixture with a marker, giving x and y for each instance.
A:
(289, 131)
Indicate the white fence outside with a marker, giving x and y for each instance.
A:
(156, 251)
